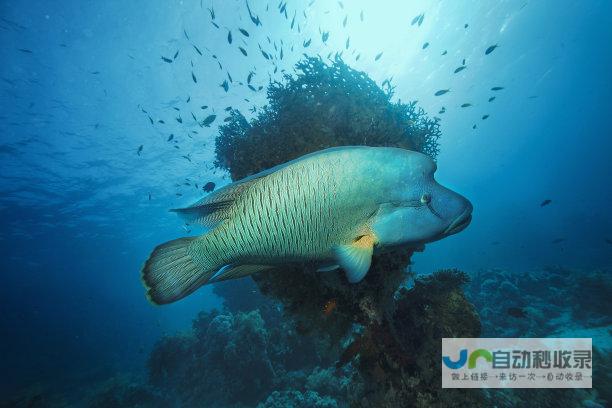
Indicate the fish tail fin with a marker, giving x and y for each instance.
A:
(170, 273)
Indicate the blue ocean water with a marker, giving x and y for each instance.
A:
(87, 173)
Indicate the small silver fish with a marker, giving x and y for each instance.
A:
(491, 49)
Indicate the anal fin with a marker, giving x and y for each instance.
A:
(328, 268)
(238, 271)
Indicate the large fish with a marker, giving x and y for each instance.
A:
(334, 208)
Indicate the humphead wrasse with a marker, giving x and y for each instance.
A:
(334, 208)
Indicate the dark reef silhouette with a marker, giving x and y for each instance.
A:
(327, 105)
(324, 106)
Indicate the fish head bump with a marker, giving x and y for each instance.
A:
(420, 210)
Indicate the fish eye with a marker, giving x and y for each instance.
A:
(425, 198)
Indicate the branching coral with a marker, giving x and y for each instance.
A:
(167, 361)
(128, 395)
(556, 301)
(321, 106)
(298, 399)
(324, 106)
(399, 358)
(553, 299)
(225, 361)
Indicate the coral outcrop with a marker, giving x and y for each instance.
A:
(553, 300)
(224, 361)
(556, 302)
(327, 105)
(321, 106)
(236, 358)
(399, 358)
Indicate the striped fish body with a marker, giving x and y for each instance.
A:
(297, 213)
(332, 207)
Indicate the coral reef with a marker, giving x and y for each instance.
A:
(297, 399)
(323, 106)
(166, 364)
(236, 359)
(552, 299)
(128, 394)
(398, 360)
(224, 361)
(248, 356)
(558, 302)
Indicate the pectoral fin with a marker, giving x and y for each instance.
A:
(356, 258)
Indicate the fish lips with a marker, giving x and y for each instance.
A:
(460, 223)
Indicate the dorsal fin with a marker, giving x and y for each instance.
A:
(215, 207)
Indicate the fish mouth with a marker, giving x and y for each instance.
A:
(460, 223)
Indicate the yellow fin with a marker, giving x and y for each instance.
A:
(356, 258)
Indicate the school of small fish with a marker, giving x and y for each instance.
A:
(274, 51)
(245, 37)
